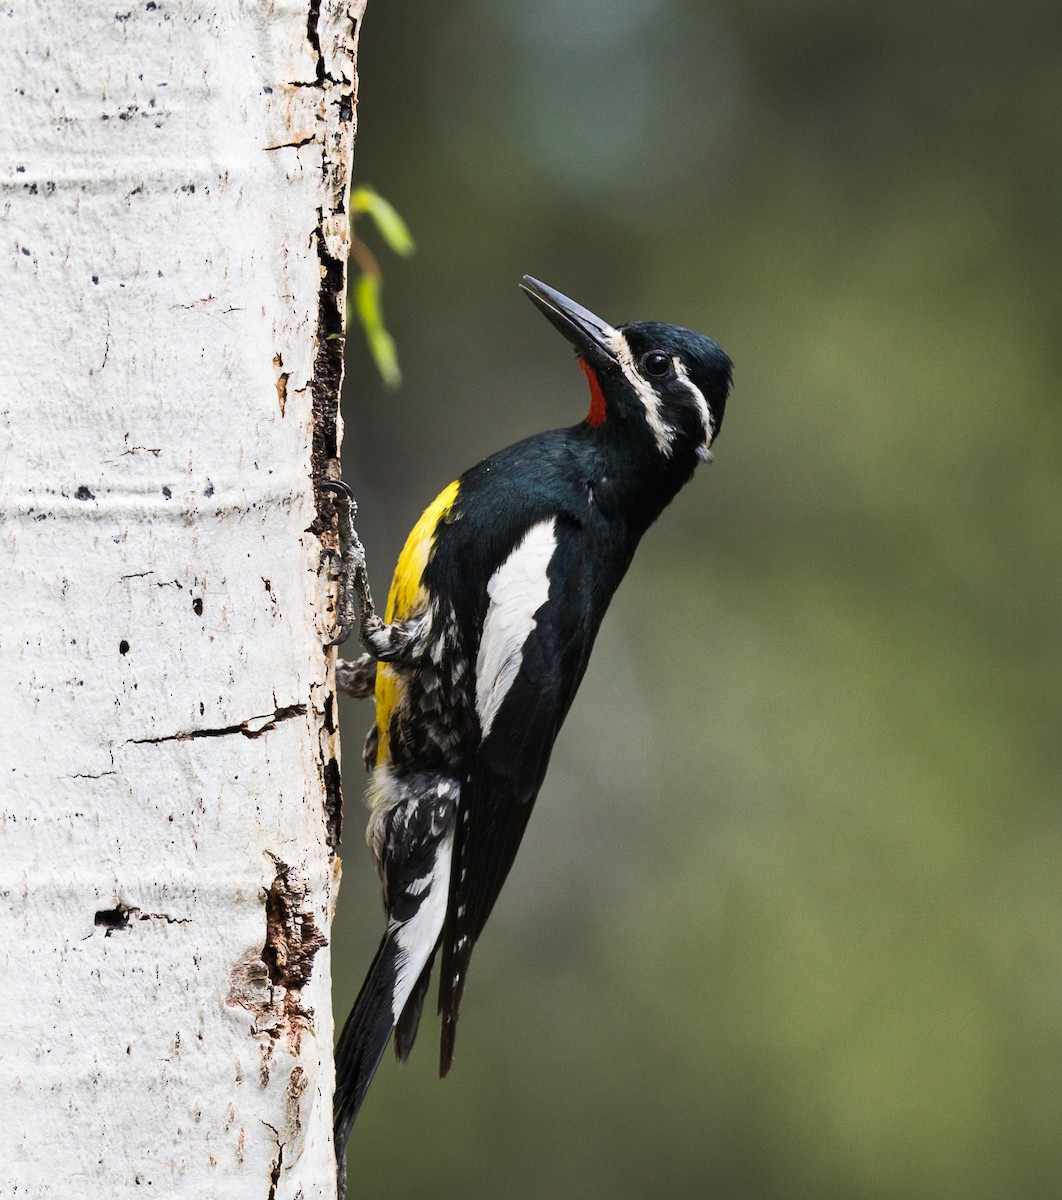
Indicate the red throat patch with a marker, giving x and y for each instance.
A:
(596, 416)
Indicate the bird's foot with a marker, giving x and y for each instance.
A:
(354, 594)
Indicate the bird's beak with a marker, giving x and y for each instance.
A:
(591, 336)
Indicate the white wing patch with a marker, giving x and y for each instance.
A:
(662, 431)
(517, 590)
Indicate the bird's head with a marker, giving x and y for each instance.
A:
(667, 381)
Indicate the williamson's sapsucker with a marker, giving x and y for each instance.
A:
(495, 604)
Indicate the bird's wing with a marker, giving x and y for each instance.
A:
(537, 635)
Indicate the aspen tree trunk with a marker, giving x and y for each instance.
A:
(172, 261)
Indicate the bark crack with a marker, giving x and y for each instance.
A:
(253, 727)
(278, 1162)
(112, 920)
(327, 371)
(333, 786)
(306, 141)
(313, 36)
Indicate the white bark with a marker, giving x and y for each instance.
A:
(171, 260)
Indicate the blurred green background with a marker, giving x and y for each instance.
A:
(786, 920)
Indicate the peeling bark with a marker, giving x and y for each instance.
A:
(292, 940)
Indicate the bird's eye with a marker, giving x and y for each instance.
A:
(657, 363)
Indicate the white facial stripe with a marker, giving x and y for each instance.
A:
(699, 400)
(517, 590)
(662, 432)
(419, 935)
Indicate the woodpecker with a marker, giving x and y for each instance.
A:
(493, 610)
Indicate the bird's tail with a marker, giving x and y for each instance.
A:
(362, 1044)
(393, 990)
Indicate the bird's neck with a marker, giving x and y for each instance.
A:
(639, 479)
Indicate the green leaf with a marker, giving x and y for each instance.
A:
(393, 229)
(381, 344)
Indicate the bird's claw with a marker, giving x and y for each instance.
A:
(344, 633)
(344, 492)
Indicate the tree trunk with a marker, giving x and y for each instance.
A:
(173, 262)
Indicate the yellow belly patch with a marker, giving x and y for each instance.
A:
(407, 599)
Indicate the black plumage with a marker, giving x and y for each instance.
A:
(496, 602)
